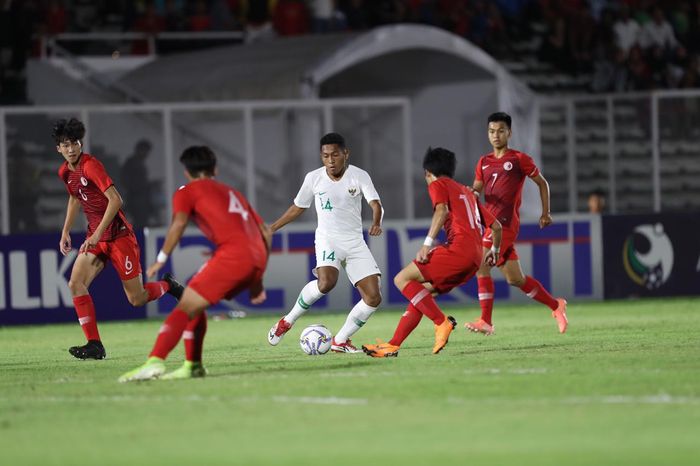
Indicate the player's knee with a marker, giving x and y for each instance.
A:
(516, 281)
(77, 288)
(325, 285)
(399, 281)
(373, 300)
(137, 300)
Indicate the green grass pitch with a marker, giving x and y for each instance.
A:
(622, 387)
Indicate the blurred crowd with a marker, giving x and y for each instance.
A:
(622, 44)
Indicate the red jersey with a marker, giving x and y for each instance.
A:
(87, 183)
(503, 180)
(224, 216)
(464, 220)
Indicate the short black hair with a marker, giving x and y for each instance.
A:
(500, 116)
(440, 162)
(333, 138)
(199, 159)
(597, 192)
(68, 130)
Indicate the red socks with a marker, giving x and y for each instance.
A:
(486, 298)
(421, 298)
(156, 289)
(170, 333)
(194, 337)
(85, 309)
(536, 291)
(409, 321)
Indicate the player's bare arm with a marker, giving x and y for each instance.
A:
(177, 228)
(541, 182)
(377, 213)
(289, 216)
(114, 203)
(439, 217)
(72, 210)
(491, 256)
(266, 233)
(477, 186)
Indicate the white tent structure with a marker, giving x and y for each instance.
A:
(452, 85)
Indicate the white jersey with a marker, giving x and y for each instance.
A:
(338, 203)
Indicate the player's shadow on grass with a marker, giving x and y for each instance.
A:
(478, 349)
(276, 367)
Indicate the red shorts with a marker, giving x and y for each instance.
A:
(225, 275)
(123, 253)
(508, 252)
(451, 266)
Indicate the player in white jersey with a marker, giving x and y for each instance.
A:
(336, 189)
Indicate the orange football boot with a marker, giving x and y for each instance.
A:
(442, 333)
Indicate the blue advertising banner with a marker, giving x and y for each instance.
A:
(34, 283)
(651, 255)
(565, 257)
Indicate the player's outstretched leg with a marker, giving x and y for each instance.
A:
(358, 316)
(534, 289)
(408, 322)
(193, 337)
(168, 337)
(85, 309)
(484, 324)
(309, 295)
(175, 288)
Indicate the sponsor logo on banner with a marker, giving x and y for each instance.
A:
(647, 255)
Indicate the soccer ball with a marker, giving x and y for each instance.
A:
(315, 339)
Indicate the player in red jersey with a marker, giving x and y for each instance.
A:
(501, 175)
(109, 236)
(438, 270)
(242, 243)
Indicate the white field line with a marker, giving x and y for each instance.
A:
(660, 399)
(330, 400)
(515, 371)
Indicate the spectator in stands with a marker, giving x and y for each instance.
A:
(658, 33)
(610, 73)
(385, 12)
(639, 77)
(174, 15)
(55, 18)
(580, 37)
(627, 31)
(596, 202)
(222, 18)
(693, 37)
(199, 20)
(257, 17)
(355, 12)
(324, 16)
(291, 18)
(553, 47)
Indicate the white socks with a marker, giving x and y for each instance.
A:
(356, 319)
(309, 295)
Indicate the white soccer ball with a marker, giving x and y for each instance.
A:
(315, 339)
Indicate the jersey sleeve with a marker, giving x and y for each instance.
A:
(95, 172)
(438, 193)
(182, 201)
(305, 196)
(368, 189)
(527, 165)
(64, 177)
(478, 174)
